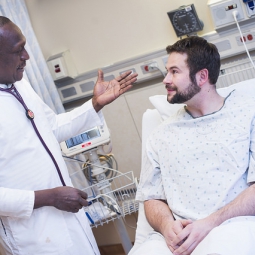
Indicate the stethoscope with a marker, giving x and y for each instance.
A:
(30, 115)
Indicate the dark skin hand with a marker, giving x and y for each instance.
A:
(107, 91)
(67, 199)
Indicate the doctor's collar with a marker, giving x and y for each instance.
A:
(5, 86)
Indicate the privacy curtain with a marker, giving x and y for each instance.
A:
(36, 71)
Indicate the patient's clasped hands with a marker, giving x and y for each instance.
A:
(183, 236)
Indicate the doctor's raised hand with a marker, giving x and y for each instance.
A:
(107, 91)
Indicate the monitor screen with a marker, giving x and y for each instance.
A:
(87, 140)
(84, 137)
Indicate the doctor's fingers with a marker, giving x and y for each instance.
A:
(82, 198)
(126, 80)
(83, 202)
(123, 76)
(69, 196)
(83, 194)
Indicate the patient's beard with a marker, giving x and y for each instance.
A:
(184, 96)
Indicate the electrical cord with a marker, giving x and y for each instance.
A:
(161, 72)
(109, 160)
(153, 67)
(235, 14)
(82, 161)
(134, 227)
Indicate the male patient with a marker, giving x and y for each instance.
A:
(198, 171)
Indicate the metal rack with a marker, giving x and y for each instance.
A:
(111, 196)
(116, 203)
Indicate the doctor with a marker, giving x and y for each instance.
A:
(39, 209)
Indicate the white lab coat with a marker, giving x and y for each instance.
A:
(25, 166)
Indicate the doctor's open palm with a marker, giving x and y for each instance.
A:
(106, 92)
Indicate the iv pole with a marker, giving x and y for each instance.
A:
(104, 185)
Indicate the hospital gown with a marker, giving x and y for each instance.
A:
(25, 166)
(201, 164)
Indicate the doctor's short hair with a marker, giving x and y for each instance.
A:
(4, 20)
(200, 55)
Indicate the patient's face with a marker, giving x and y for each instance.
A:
(179, 87)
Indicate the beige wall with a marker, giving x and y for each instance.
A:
(99, 33)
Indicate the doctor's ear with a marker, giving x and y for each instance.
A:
(202, 77)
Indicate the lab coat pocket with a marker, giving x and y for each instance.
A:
(45, 232)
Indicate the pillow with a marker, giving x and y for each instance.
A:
(166, 109)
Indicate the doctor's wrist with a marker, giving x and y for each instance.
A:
(44, 198)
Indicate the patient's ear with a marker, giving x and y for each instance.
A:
(202, 77)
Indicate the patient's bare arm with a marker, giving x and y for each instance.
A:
(161, 219)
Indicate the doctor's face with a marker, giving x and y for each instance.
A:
(180, 88)
(13, 54)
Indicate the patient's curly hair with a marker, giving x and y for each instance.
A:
(200, 55)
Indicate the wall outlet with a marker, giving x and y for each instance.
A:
(149, 67)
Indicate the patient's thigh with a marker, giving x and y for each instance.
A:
(154, 245)
(235, 236)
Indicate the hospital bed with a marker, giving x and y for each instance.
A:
(151, 119)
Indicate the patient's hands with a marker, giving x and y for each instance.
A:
(171, 231)
(187, 238)
(181, 236)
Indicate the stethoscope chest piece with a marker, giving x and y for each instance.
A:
(30, 115)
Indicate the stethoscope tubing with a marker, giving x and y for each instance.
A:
(13, 91)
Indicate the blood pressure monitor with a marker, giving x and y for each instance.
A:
(185, 20)
(87, 140)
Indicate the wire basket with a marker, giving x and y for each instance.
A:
(111, 199)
